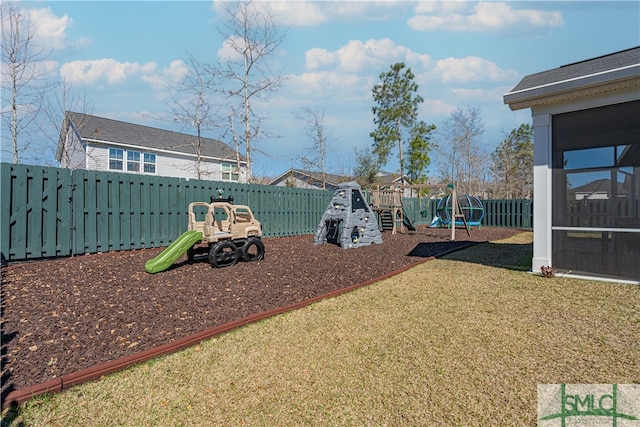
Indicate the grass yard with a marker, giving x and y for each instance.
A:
(458, 341)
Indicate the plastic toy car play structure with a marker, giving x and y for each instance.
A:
(227, 234)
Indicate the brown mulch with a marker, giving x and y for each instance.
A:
(59, 316)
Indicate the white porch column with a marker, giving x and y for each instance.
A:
(542, 191)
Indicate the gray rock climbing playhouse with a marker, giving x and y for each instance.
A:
(348, 220)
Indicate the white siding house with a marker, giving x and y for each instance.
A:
(97, 143)
(586, 121)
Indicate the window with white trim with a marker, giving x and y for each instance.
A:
(133, 161)
(116, 156)
(149, 163)
(230, 172)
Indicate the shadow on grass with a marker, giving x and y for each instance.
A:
(437, 249)
(511, 256)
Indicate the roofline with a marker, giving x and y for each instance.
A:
(301, 172)
(526, 98)
(159, 150)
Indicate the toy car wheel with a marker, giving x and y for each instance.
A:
(223, 254)
(253, 250)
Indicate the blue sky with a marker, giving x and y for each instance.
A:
(464, 54)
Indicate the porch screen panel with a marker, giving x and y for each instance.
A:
(596, 191)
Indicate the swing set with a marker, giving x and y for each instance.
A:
(388, 205)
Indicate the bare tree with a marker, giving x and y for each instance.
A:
(23, 79)
(316, 130)
(513, 164)
(234, 134)
(61, 99)
(192, 106)
(462, 159)
(251, 39)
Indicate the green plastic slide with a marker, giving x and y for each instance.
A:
(407, 222)
(173, 252)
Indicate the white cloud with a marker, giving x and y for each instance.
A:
(481, 95)
(159, 82)
(316, 58)
(357, 56)
(176, 70)
(282, 13)
(470, 69)
(481, 16)
(303, 13)
(298, 13)
(436, 108)
(445, 8)
(174, 73)
(49, 29)
(231, 49)
(325, 82)
(91, 71)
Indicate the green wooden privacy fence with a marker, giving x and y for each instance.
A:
(51, 212)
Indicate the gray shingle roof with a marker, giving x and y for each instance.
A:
(109, 130)
(615, 67)
(313, 178)
(580, 69)
(328, 177)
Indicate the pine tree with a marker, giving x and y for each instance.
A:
(396, 115)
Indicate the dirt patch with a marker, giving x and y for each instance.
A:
(63, 315)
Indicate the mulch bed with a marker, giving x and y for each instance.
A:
(59, 316)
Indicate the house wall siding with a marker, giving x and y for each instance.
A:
(75, 156)
(175, 165)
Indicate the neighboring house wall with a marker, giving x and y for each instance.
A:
(166, 164)
(74, 155)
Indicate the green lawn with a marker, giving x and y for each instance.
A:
(458, 341)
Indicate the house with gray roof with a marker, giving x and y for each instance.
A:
(586, 121)
(97, 143)
(298, 178)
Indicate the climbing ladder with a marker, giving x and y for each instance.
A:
(390, 219)
(386, 220)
